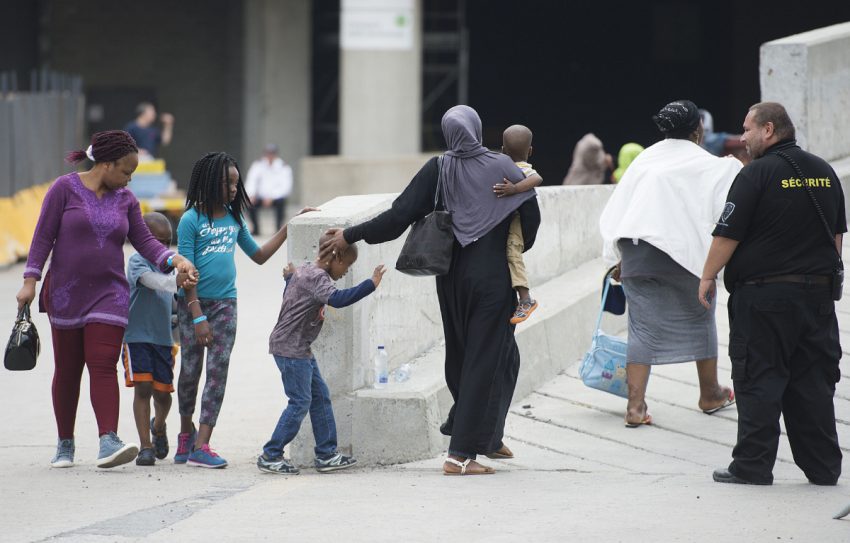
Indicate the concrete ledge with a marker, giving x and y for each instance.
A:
(809, 74)
(401, 423)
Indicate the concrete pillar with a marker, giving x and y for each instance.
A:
(380, 77)
(809, 74)
(277, 79)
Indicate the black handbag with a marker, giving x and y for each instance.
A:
(24, 345)
(837, 282)
(428, 247)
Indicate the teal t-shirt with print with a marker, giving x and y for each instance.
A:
(210, 245)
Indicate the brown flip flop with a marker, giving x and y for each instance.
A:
(647, 419)
(504, 453)
(477, 469)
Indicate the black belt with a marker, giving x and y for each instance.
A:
(804, 279)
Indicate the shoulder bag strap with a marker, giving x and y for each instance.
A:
(439, 181)
(814, 200)
(602, 306)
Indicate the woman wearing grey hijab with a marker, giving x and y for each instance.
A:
(589, 162)
(476, 298)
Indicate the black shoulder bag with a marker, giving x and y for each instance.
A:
(838, 269)
(428, 247)
(24, 345)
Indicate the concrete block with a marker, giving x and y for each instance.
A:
(401, 423)
(809, 74)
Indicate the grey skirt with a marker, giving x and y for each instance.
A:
(667, 324)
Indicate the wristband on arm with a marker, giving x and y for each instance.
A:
(199, 320)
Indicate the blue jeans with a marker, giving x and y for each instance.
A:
(307, 392)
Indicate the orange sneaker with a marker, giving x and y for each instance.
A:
(523, 311)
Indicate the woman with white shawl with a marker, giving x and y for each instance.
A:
(657, 228)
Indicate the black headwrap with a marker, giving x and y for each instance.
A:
(678, 116)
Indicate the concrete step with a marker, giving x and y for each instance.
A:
(401, 422)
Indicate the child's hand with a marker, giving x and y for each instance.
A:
(203, 333)
(378, 274)
(307, 210)
(506, 188)
(185, 280)
(288, 271)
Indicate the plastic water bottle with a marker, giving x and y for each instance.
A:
(402, 373)
(381, 368)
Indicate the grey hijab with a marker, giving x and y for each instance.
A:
(469, 172)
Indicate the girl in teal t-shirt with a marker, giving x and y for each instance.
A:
(208, 233)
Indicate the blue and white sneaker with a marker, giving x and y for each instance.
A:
(278, 465)
(206, 458)
(160, 441)
(185, 446)
(114, 452)
(334, 463)
(64, 454)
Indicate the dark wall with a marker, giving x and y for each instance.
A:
(186, 56)
(567, 68)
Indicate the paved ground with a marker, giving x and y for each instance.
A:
(579, 474)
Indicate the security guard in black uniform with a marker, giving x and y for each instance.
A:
(783, 339)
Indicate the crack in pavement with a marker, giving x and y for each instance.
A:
(145, 522)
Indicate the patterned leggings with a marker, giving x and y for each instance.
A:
(221, 316)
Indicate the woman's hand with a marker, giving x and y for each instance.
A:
(203, 333)
(336, 244)
(615, 275)
(288, 271)
(27, 293)
(707, 292)
(505, 188)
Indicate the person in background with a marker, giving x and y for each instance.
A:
(146, 134)
(626, 156)
(721, 143)
(590, 163)
(268, 184)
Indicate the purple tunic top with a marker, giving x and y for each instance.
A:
(86, 281)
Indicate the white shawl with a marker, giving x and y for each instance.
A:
(670, 196)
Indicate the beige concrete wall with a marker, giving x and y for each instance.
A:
(323, 178)
(809, 74)
(277, 79)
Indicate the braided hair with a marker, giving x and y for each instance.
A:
(205, 192)
(106, 146)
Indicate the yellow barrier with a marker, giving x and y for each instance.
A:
(151, 166)
(18, 217)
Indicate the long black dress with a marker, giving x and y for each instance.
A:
(476, 303)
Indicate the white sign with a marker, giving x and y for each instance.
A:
(382, 25)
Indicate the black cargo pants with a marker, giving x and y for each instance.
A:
(784, 348)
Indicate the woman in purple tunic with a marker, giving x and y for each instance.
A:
(85, 220)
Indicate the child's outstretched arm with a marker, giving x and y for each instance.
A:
(348, 296)
(163, 282)
(270, 247)
(506, 188)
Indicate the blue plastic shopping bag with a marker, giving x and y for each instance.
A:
(604, 364)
